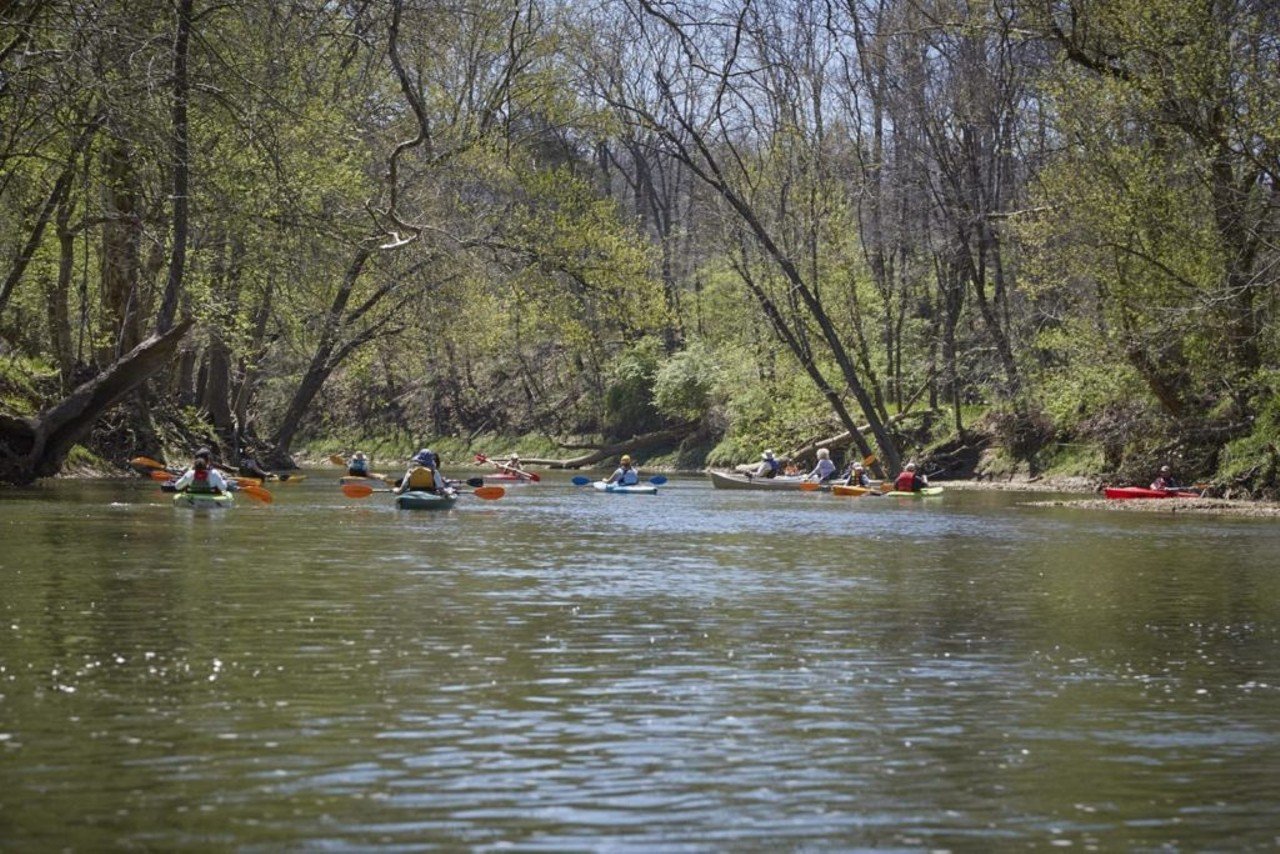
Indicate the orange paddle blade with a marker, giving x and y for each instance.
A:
(146, 462)
(868, 459)
(357, 490)
(337, 460)
(257, 493)
(489, 493)
(160, 475)
(810, 486)
(534, 476)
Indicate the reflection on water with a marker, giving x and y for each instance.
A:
(696, 670)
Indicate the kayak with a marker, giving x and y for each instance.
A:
(415, 500)
(1143, 492)
(634, 489)
(202, 499)
(919, 493)
(852, 491)
(506, 477)
(724, 480)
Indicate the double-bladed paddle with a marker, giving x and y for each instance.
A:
(533, 476)
(360, 490)
(580, 480)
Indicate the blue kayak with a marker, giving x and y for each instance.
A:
(634, 489)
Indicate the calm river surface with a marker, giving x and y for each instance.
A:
(700, 670)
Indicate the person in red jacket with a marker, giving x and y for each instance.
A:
(909, 481)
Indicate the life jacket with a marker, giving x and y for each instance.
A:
(630, 477)
(422, 479)
(906, 482)
(358, 468)
(774, 467)
(200, 482)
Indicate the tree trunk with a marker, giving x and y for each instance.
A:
(36, 447)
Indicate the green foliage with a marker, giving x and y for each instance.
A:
(629, 408)
(684, 386)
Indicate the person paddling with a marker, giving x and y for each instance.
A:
(512, 466)
(824, 470)
(249, 466)
(423, 475)
(909, 481)
(358, 465)
(625, 475)
(202, 478)
(857, 476)
(1165, 480)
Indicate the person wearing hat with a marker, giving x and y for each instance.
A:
(512, 466)
(769, 465)
(358, 465)
(1165, 479)
(625, 474)
(249, 466)
(909, 480)
(857, 476)
(824, 470)
(423, 474)
(202, 477)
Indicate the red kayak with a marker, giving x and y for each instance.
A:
(1143, 492)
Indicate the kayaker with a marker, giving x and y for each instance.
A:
(358, 465)
(1165, 479)
(512, 466)
(625, 475)
(249, 466)
(423, 475)
(824, 470)
(857, 476)
(202, 477)
(768, 467)
(909, 481)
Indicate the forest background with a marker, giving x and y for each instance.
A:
(1031, 235)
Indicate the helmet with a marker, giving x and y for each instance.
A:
(911, 466)
(1164, 469)
(515, 457)
(360, 455)
(767, 455)
(823, 453)
(626, 458)
(424, 457)
(858, 467)
(204, 454)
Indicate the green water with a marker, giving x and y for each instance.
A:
(699, 670)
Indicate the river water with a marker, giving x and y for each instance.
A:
(699, 670)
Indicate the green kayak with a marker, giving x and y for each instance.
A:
(202, 499)
(919, 493)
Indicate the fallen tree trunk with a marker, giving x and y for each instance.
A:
(600, 453)
(36, 447)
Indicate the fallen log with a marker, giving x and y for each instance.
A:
(600, 453)
(36, 446)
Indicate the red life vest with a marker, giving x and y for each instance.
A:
(200, 482)
(906, 482)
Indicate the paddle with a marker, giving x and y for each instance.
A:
(337, 460)
(257, 493)
(533, 476)
(146, 462)
(160, 475)
(360, 490)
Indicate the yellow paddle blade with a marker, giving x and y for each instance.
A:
(357, 490)
(257, 493)
(160, 475)
(146, 462)
(490, 493)
(337, 460)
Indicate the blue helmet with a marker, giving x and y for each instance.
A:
(425, 458)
